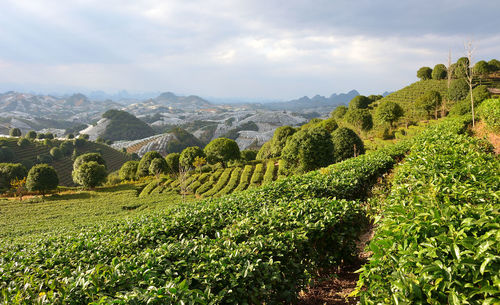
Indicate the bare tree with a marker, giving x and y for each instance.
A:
(449, 72)
(469, 74)
(183, 172)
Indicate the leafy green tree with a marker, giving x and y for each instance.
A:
(346, 144)
(264, 151)
(429, 102)
(15, 132)
(222, 150)
(375, 97)
(143, 168)
(359, 102)
(388, 112)
(248, 155)
(312, 123)
(172, 160)
(90, 174)
(439, 72)
(87, 158)
(461, 67)
(42, 178)
(339, 112)
(359, 118)
(56, 153)
(329, 124)
(278, 141)
(199, 162)
(66, 147)
(494, 65)
(308, 149)
(480, 93)
(44, 158)
(158, 166)
(188, 155)
(459, 89)
(31, 134)
(481, 69)
(424, 73)
(128, 170)
(70, 136)
(10, 172)
(23, 142)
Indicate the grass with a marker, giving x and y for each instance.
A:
(72, 210)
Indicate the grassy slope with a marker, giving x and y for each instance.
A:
(64, 166)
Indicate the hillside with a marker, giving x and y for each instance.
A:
(64, 166)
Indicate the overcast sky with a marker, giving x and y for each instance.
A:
(228, 48)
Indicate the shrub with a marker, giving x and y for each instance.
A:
(264, 151)
(246, 175)
(222, 150)
(87, 158)
(10, 172)
(346, 144)
(339, 112)
(270, 172)
(388, 112)
(329, 124)
(56, 153)
(89, 174)
(359, 118)
(143, 168)
(15, 132)
(79, 142)
(308, 149)
(113, 179)
(439, 72)
(158, 166)
(128, 170)
(312, 123)
(424, 73)
(489, 112)
(232, 183)
(189, 154)
(280, 136)
(66, 147)
(31, 134)
(257, 176)
(172, 160)
(23, 142)
(359, 102)
(42, 178)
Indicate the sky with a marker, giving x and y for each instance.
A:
(270, 49)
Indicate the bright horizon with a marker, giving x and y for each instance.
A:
(235, 49)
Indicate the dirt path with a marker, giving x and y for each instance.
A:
(334, 287)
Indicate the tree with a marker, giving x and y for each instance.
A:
(10, 172)
(31, 134)
(424, 73)
(56, 153)
(248, 155)
(143, 168)
(375, 97)
(429, 102)
(87, 158)
(90, 174)
(360, 119)
(469, 76)
(388, 112)
(458, 90)
(172, 160)
(15, 132)
(278, 141)
(66, 147)
(346, 144)
(461, 67)
(359, 102)
(188, 155)
(439, 72)
(264, 151)
(339, 112)
(494, 65)
(199, 162)
(128, 170)
(42, 178)
(222, 150)
(329, 124)
(481, 69)
(308, 149)
(23, 142)
(157, 167)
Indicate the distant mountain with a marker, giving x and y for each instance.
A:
(318, 101)
(169, 99)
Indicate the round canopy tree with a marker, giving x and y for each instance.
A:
(388, 112)
(128, 170)
(339, 112)
(222, 150)
(264, 151)
(346, 144)
(439, 72)
(42, 178)
(461, 67)
(307, 149)
(359, 102)
(360, 119)
(278, 141)
(15, 132)
(424, 73)
(494, 65)
(31, 134)
(10, 172)
(188, 155)
(459, 89)
(173, 162)
(329, 124)
(158, 166)
(90, 174)
(87, 158)
(143, 168)
(429, 102)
